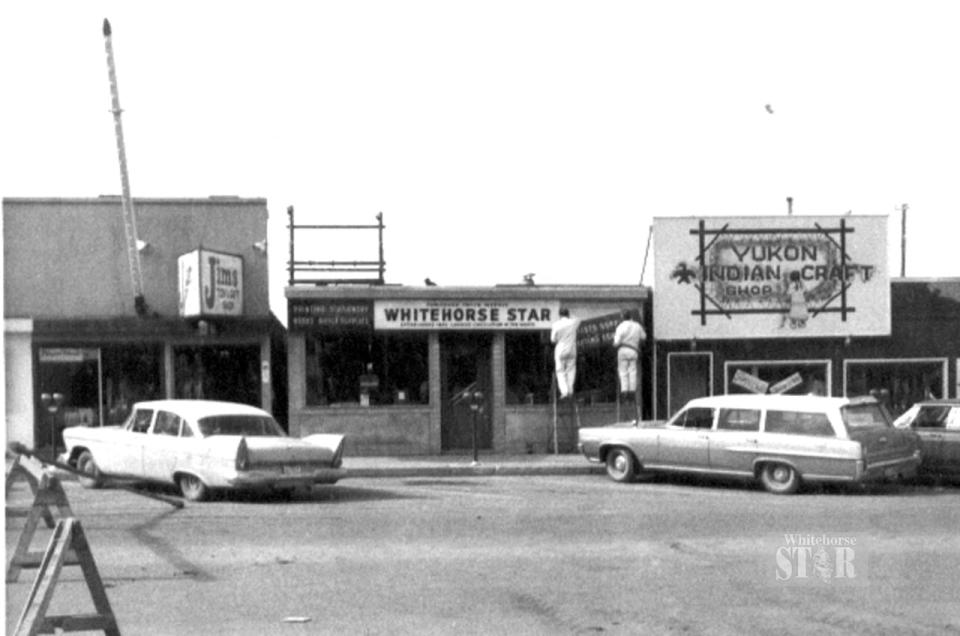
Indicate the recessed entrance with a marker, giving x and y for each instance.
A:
(465, 373)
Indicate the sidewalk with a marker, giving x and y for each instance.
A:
(463, 466)
(453, 466)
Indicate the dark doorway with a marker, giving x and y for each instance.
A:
(464, 371)
(688, 377)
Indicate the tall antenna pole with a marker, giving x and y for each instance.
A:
(903, 240)
(129, 216)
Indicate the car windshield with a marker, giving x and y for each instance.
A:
(863, 416)
(249, 425)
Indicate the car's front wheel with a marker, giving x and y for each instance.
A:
(192, 488)
(620, 465)
(90, 477)
(780, 479)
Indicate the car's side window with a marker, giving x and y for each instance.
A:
(931, 417)
(696, 417)
(185, 430)
(140, 421)
(798, 423)
(739, 420)
(167, 424)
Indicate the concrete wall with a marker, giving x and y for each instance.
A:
(398, 430)
(66, 258)
(18, 381)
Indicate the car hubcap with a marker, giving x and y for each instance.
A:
(781, 474)
(620, 463)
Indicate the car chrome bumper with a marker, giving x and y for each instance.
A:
(267, 478)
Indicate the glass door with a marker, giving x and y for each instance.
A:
(465, 377)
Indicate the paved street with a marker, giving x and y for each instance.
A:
(520, 555)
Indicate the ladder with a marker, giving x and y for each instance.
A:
(129, 215)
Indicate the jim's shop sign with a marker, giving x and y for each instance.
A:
(211, 284)
(771, 277)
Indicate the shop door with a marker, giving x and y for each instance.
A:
(688, 378)
(465, 371)
(69, 383)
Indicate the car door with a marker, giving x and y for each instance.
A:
(685, 441)
(951, 444)
(125, 454)
(733, 445)
(162, 447)
(930, 424)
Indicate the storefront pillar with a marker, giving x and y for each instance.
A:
(266, 387)
(169, 377)
(297, 379)
(436, 397)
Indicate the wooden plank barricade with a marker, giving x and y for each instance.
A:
(29, 470)
(68, 539)
(49, 493)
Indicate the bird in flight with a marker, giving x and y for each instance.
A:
(769, 108)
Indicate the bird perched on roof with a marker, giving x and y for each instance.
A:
(528, 279)
(429, 283)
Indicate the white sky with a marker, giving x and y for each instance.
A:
(499, 137)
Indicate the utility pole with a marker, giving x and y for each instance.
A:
(903, 240)
(129, 216)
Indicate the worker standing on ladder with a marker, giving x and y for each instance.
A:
(627, 339)
(563, 334)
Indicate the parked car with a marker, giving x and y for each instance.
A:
(937, 422)
(781, 440)
(202, 445)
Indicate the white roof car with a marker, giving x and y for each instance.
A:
(781, 440)
(203, 445)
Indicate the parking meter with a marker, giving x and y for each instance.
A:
(475, 400)
(52, 403)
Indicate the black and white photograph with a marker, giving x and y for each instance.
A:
(455, 317)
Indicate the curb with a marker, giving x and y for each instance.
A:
(470, 470)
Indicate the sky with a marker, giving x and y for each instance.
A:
(498, 138)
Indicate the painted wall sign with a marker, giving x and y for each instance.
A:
(211, 284)
(330, 316)
(465, 314)
(594, 333)
(771, 277)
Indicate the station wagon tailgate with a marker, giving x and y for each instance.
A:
(882, 444)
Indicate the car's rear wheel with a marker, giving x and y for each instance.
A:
(780, 479)
(91, 477)
(620, 465)
(193, 488)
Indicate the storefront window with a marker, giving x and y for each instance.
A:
(130, 374)
(529, 362)
(367, 369)
(597, 379)
(788, 378)
(218, 373)
(898, 384)
(530, 366)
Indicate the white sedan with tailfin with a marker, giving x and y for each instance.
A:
(200, 446)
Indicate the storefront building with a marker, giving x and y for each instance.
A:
(428, 370)
(796, 305)
(78, 349)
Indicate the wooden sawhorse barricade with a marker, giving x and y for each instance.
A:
(68, 546)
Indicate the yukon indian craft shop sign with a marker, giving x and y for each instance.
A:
(771, 277)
